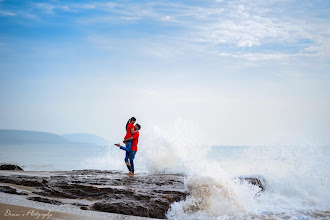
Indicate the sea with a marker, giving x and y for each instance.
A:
(295, 175)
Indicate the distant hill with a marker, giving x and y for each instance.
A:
(30, 137)
(17, 137)
(86, 138)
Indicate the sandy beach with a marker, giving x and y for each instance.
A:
(30, 213)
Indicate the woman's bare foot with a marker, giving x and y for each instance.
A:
(131, 174)
(118, 145)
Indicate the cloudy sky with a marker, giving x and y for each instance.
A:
(245, 72)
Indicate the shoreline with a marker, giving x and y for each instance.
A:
(93, 193)
(16, 208)
(97, 194)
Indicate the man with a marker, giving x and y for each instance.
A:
(131, 152)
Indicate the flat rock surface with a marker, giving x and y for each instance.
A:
(106, 191)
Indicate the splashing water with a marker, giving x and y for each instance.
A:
(297, 177)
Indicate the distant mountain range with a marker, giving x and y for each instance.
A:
(85, 138)
(36, 137)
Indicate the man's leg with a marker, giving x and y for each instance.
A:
(127, 162)
(131, 159)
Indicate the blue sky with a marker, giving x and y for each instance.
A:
(246, 72)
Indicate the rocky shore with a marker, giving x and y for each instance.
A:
(105, 191)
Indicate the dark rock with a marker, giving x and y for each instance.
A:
(45, 200)
(152, 198)
(22, 180)
(8, 189)
(126, 208)
(112, 191)
(256, 181)
(10, 167)
(75, 191)
(78, 204)
(85, 208)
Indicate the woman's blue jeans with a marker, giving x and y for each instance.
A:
(128, 146)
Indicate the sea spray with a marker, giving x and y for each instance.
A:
(209, 197)
(212, 191)
(179, 149)
(296, 176)
(159, 152)
(107, 158)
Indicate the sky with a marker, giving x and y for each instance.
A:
(243, 72)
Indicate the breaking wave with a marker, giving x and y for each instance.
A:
(296, 176)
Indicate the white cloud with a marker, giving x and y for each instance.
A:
(235, 25)
(249, 24)
(237, 28)
(6, 13)
(49, 8)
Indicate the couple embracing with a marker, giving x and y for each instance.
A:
(131, 140)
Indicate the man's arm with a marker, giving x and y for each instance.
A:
(133, 131)
(128, 139)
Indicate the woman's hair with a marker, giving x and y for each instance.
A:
(129, 121)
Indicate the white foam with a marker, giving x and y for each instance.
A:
(297, 176)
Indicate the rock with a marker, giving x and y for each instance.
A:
(45, 200)
(85, 208)
(150, 204)
(10, 167)
(22, 180)
(8, 189)
(111, 191)
(254, 180)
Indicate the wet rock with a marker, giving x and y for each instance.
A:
(45, 200)
(10, 167)
(111, 191)
(22, 180)
(152, 205)
(127, 208)
(256, 181)
(85, 208)
(82, 206)
(8, 189)
(76, 191)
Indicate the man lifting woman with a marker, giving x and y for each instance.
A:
(131, 140)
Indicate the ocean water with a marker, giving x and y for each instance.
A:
(48, 157)
(296, 175)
